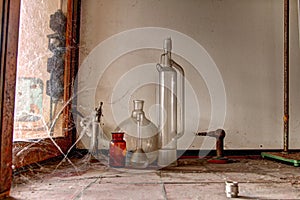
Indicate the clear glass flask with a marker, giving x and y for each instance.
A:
(171, 106)
(148, 133)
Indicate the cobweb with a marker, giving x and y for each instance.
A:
(73, 162)
(39, 117)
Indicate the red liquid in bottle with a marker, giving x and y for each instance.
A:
(117, 150)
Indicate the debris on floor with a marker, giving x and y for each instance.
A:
(192, 179)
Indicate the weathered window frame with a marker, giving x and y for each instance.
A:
(10, 11)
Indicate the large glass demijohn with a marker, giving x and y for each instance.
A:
(137, 125)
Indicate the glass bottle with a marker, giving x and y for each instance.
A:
(117, 150)
(148, 131)
(171, 106)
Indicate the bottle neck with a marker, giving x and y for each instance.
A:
(136, 113)
(138, 109)
(167, 61)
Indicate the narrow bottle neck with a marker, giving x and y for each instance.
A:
(167, 62)
(138, 109)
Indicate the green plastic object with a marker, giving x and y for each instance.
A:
(293, 158)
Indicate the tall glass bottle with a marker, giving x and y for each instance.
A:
(148, 130)
(171, 118)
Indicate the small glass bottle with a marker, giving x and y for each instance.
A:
(117, 150)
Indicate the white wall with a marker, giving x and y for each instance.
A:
(245, 40)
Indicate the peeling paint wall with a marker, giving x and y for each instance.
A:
(245, 40)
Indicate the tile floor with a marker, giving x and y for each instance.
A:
(192, 179)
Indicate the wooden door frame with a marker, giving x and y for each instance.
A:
(10, 12)
(9, 49)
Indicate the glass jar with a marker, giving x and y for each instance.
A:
(149, 132)
(117, 150)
